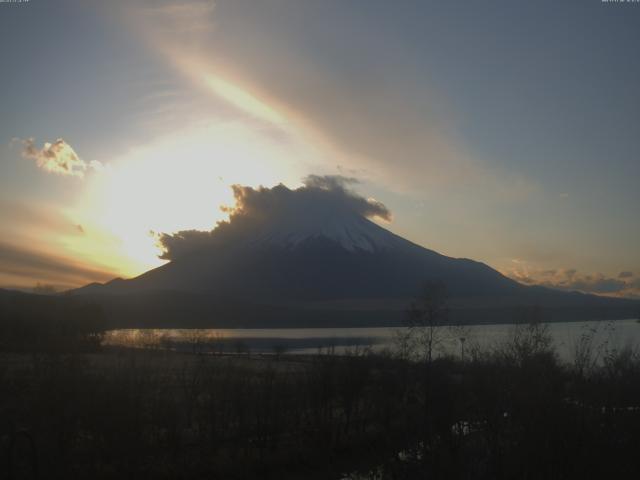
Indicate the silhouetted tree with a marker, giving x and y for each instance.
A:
(427, 314)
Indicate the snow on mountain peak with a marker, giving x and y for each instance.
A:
(351, 232)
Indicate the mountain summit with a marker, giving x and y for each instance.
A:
(351, 232)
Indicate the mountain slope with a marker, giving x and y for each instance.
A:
(353, 258)
(311, 256)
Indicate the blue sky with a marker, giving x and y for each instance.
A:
(504, 131)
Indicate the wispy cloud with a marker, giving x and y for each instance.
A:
(44, 242)
(58, 157)
(18, 216)
(401, 134)
(25, 267)
(625, 284)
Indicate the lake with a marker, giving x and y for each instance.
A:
(610, 334)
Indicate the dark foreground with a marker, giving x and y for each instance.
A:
(514, 412)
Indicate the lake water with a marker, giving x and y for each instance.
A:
(612, 335)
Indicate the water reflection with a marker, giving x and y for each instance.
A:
(243, 341)
(456, 341)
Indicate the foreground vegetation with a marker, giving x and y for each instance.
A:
(71, 408)
(512, 412)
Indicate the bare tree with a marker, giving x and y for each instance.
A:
(404, 343)
(460, 336)
(529, 339)
(427, 314)
(197, 338)
(586, 353)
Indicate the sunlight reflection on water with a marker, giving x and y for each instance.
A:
(613, 335)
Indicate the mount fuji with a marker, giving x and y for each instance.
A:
(344, 256)
(311, 257)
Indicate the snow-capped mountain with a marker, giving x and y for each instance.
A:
(311, 257)
(350, 272)
(334, 257)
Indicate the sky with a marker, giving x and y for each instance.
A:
(503, 131)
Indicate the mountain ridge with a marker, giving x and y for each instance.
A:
(318, 281)
(313, 260)
(313, 252)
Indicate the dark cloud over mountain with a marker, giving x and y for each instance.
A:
(319, 198)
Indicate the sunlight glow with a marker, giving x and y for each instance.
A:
(179, 183)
